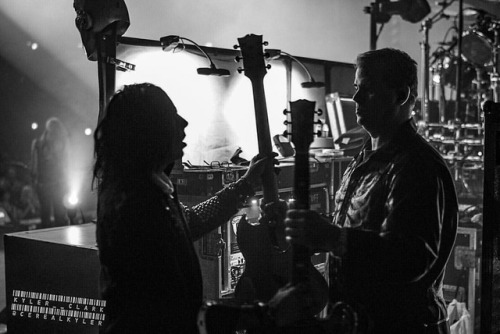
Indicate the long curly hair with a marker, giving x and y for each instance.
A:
(135, 135)
(55, 138)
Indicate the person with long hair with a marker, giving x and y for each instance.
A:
(150, 275)
(49, 169)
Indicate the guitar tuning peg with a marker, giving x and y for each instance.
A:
(238, 58)
(268, 66)
(318, 122)
(265, 43)
(287, 122)
(266, 54)
(318, 133)
(236, 46)
(285, 112)
(319, 112)
(285, 133)
(240, 69)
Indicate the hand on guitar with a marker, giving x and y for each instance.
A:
(257, 167)
(274, 211)
(308, 228)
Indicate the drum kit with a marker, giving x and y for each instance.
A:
(460, 137)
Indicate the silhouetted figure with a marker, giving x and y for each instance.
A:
(49, 167)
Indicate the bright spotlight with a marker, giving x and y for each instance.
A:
(88, 131)
(34, 125)
(71, 201)
(34, 46)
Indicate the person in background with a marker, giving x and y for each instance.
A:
(10, 212)
(150, 275)
(49, 168)
(29, 206)
(396, 211)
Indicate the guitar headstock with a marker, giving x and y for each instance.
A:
(252, 53)
(302, 119)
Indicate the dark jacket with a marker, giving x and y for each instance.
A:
(150, 275)
(399, 211)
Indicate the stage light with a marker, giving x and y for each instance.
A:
(34, 125)
(88, 131)
(172, 42)
(71, 202)
(32, 45)
(412, 11)
(436, 78)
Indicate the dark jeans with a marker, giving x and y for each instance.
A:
(51, 197)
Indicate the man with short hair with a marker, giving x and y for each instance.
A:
(395, 215)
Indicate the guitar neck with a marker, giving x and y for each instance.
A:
(269, 182)
(302, 136)
(301, 180)
(300, 254)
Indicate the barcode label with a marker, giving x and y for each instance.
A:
(54, 307)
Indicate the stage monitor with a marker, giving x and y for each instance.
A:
(341, 114)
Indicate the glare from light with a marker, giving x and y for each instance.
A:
(203, 133)
(34, 46)
(209, 44)
(34, 125)
(88, 131)
(74, 235)
(73, 200)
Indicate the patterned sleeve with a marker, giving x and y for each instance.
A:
(208, 215)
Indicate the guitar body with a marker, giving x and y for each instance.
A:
(266, 269)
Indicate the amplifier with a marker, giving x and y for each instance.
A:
(204, 182)
(220, 258)
(52, 278)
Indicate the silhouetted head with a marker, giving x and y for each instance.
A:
(140, 132)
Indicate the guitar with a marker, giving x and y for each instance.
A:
(221, 318)
(266, 268)
(302, 118)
